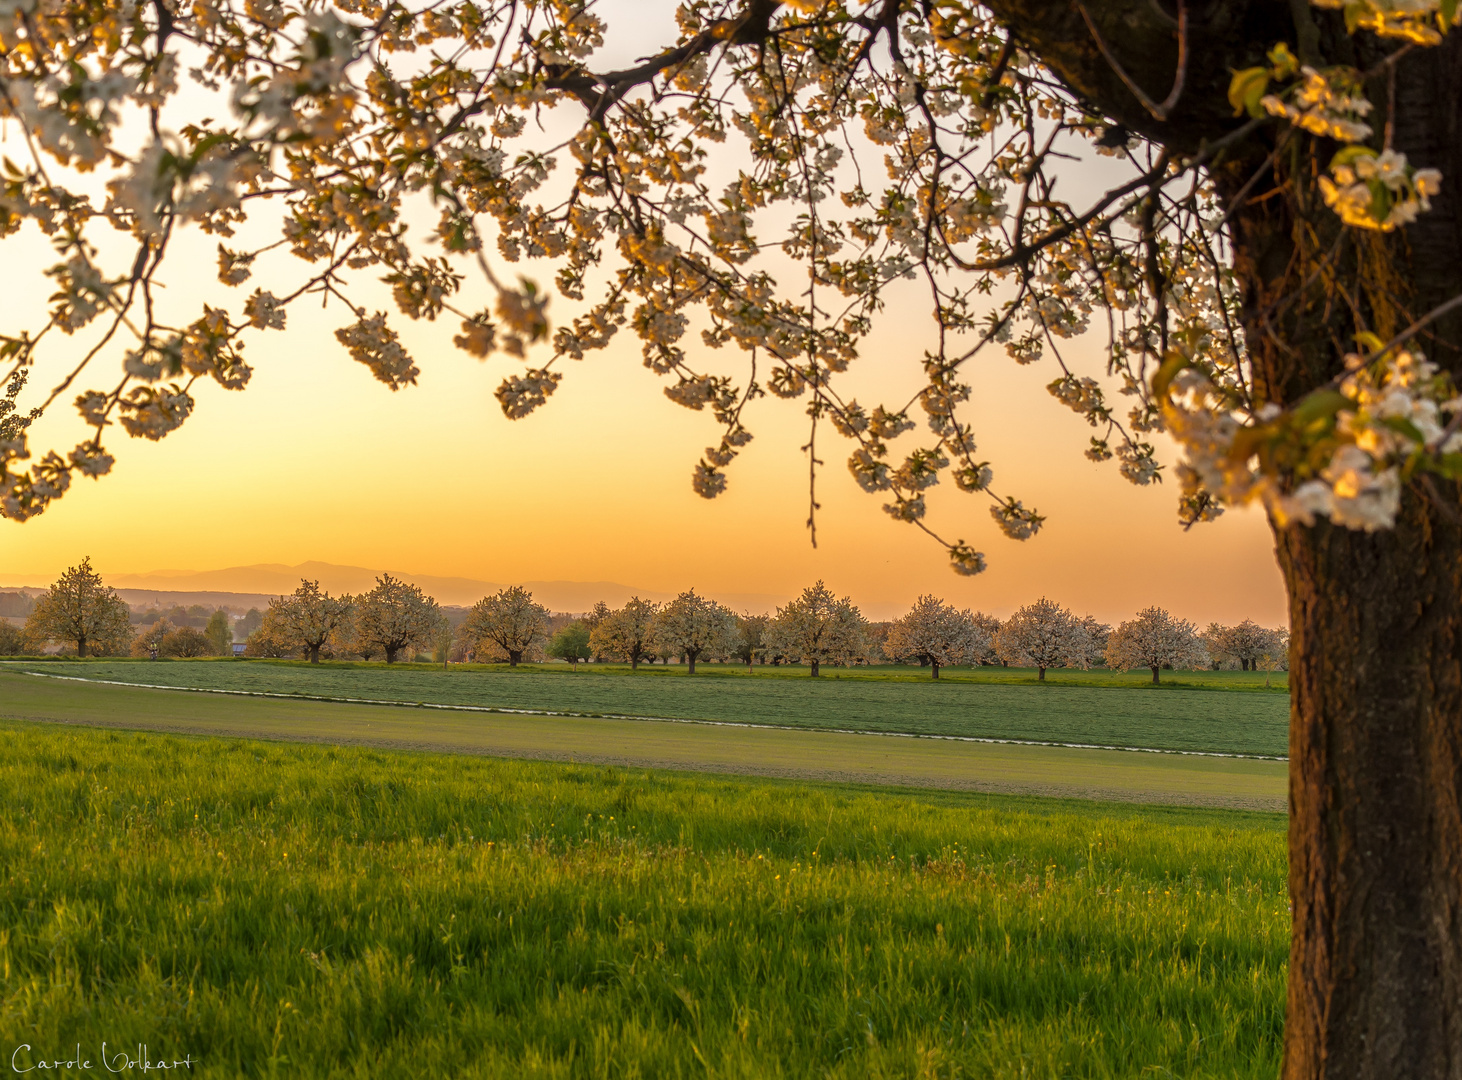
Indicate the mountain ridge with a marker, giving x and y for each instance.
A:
(253, 585)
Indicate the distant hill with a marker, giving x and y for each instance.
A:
(244, 587)
(274, 579)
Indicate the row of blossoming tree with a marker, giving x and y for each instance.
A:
(817, 628)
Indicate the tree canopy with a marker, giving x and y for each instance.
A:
(818, 628)
(334, 118)
(80, 609)
(509, 621)
(694, 627)
(307, 618)
(393, 617)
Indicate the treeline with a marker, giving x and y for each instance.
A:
(817, 629)
(398, 620)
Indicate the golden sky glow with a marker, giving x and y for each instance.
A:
(317, 461)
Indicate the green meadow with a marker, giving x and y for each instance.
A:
(290, 910)
(1227, 712)
(788, 752)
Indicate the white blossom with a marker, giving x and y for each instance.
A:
(1155, 640)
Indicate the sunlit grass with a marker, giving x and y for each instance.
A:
(1275, 682)
(1178, 718)
(309, 911)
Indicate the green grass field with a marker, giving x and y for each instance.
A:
(1200, 716)
(302, 911)
(1106, 774)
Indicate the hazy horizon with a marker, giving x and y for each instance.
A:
(262, 580)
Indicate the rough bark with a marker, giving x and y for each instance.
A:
(1375, 979)
(1375, 799)
(1376, 716)
(1154, 675)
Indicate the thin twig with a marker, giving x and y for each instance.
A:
(1164, 110)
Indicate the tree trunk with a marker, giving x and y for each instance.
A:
(1375, 975)
(690, 663)
(314, 654)
(1154, 675)
(514, 655)
(1041, 674)
(1375, 838)
(815, 671)
(391, 654)
(634, 662)
(80, 646)
(935, 665)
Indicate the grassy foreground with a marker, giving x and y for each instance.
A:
(1169, 718)
(309, 911)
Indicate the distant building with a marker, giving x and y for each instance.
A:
(238, 648)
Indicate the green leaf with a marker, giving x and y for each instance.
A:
(1245, 90)
(1447, 14)
(1175, 363)
(1283, 61)
(1449, 466)
(1381, 200)
(1350, 154)
(1320, 405)
(1405, 427)
(1369, 342)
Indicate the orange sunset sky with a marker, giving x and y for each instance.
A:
(317, 461)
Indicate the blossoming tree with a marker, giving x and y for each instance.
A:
(937, 634)
(818, 628)
(392, 618)
(626, 633)
(1044, 635)
(1273, 264)
(509, 621)
(1246, 643)
(1155, 640)
(694, 627)
(306, 619)
(81, 610)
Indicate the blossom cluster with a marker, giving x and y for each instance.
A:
(1377, 191)
(1341, 452)
(1421, 22)
(1366, 188)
